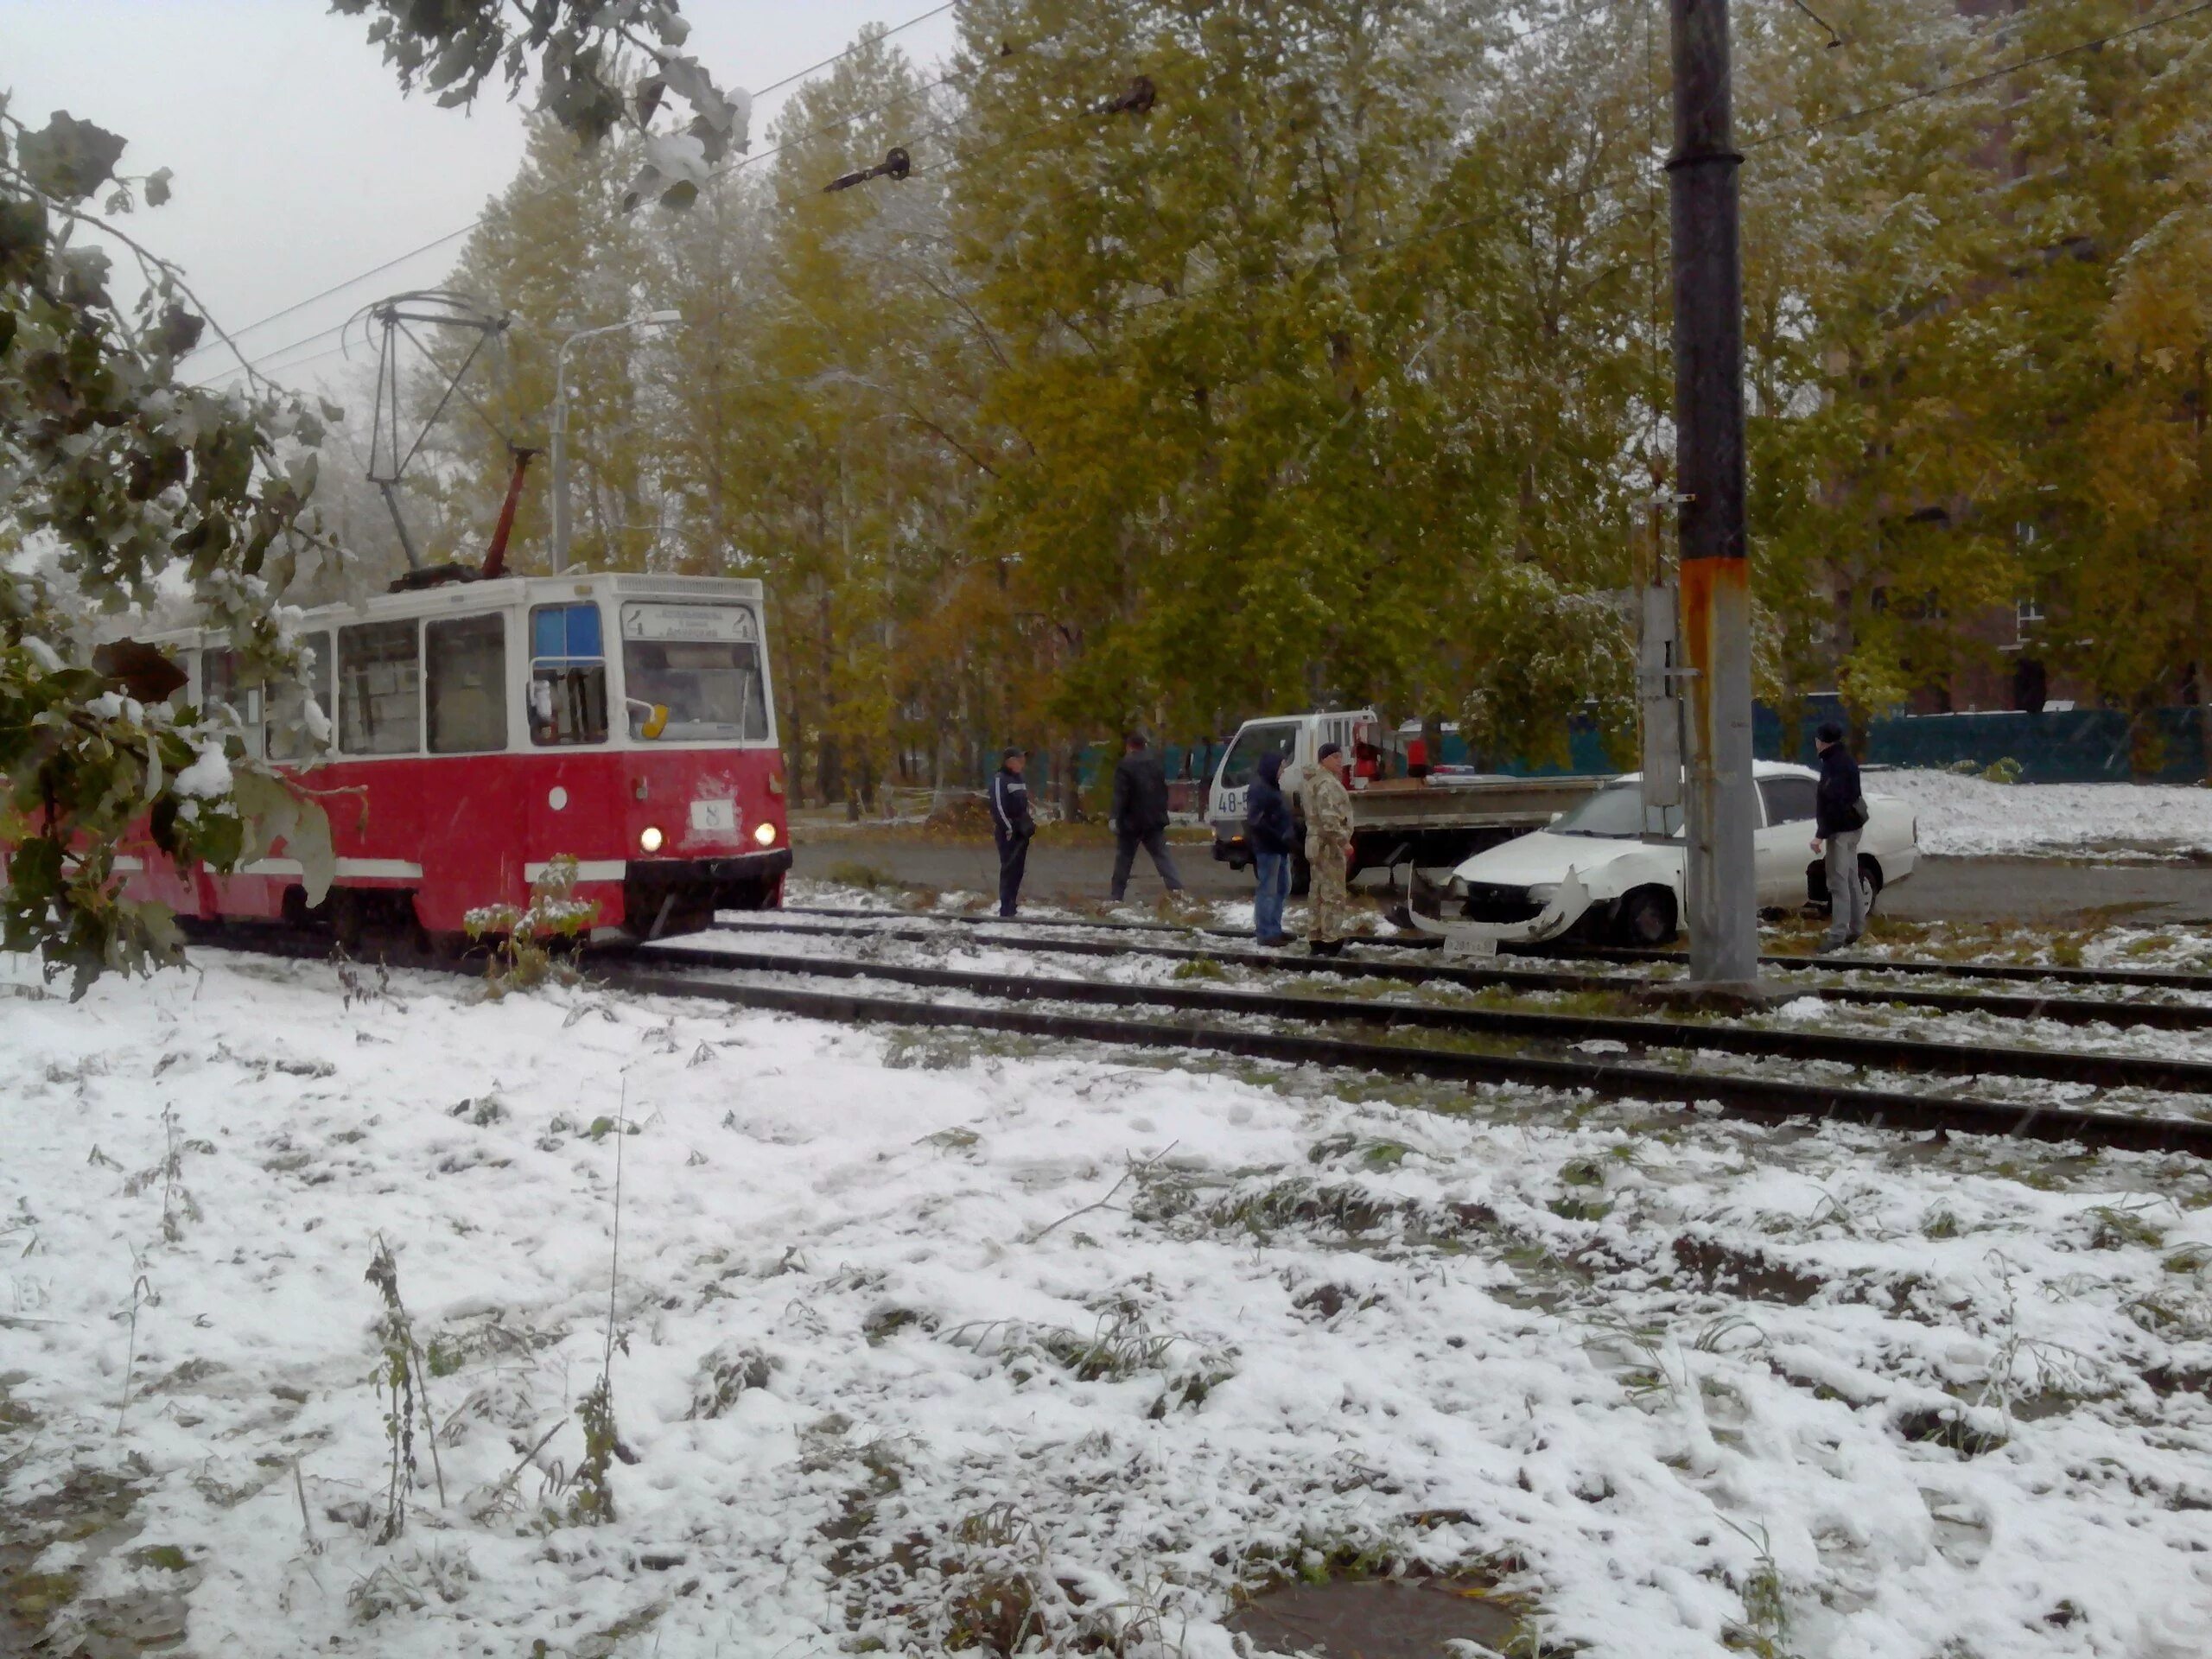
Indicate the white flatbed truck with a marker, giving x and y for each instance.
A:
(1434, 822)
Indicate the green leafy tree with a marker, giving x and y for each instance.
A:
(2100, 393)
(120, 477)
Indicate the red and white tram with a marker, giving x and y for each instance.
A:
(478, 730)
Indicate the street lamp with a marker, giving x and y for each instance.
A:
(651, 318)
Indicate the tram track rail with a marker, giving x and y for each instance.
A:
(670, 971)
(2063, 1010)
(1763, 1099)
(1861, 1053)
(2158, 979)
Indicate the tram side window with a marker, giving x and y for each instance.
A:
(219, 689)
(292, 736)
(379, 688)
(568, 675)
(465, 662)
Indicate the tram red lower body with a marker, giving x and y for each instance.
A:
(437, 838)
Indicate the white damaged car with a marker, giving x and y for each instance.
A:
(1594, 873)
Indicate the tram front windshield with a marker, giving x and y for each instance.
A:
(702, 662)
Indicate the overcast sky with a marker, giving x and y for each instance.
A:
(298, 164)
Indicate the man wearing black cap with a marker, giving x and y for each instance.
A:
(1839, 815)
(1012, 826)
(1138, 816)
(1328, 852)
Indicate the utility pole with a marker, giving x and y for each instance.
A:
(1720, 888)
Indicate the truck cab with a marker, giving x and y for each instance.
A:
(1298, 738)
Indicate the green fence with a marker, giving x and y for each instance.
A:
(2059, 746)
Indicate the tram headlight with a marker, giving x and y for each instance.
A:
(650, 838)
(765, 833)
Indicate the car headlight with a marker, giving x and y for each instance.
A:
(650, 838)
(1543, 892)
(765, 833)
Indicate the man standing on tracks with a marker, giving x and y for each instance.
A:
(1012, 825)
(1272, 833)
(1328, 852)
(1139, 815)
(1839, 814)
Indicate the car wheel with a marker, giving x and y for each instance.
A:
(1870, 873)
(1647, 918)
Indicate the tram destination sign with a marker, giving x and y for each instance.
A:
(731, 624)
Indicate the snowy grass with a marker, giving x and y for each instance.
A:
(947, 1342)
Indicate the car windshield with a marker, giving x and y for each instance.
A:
(702, 662)
(1280, 737)
(1617, 811)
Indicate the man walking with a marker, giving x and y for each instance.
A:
(1139, 815)
(1012, 825)
(1328, 851)
(1839, 815)
(1273, 836)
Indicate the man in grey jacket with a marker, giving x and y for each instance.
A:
(1839, 814)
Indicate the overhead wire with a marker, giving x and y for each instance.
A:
(1968, 83)
(753, 158)
(1804, 129)
(454, 236)
(1961, 83)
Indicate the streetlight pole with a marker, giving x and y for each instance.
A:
(1720, 887)
(651, 318)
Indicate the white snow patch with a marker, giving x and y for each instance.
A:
(208, 777)
(1963, 817)
(1116, 1323)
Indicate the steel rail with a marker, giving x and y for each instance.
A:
(2076, 1011)
(1875, 1054)
(1758, 1099)
(2149, 979)
(2143, 978)
(1761, 1099)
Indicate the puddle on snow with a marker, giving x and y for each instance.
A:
(1354, 1618)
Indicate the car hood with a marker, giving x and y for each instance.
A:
(1542, 856)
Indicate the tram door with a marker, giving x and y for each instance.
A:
(573, 793)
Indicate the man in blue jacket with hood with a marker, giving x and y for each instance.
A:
(1272, 834)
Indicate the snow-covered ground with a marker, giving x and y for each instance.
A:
(915, 1337)
(1966, 816)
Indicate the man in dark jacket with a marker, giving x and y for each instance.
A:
(1839, 816)
(1012, 825)
(1272, 834)
(1139, 815)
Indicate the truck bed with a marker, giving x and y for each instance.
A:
(1477, 801)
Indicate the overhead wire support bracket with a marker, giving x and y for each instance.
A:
(895, 166)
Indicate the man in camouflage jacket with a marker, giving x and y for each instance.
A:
(1328, 850)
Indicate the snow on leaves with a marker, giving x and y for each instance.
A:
(578, 46)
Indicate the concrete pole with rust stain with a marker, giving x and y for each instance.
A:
(1720, 889)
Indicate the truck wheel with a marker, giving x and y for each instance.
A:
(1301, 876)
(1647, 918)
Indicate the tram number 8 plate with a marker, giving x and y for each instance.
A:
(715, 817)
